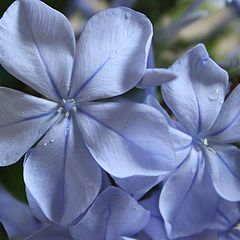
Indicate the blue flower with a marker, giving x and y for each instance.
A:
(208, 166)
(37, 45)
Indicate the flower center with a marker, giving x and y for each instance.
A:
(202, 143)
(67, 106)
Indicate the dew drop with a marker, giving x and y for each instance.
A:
(127, 15)
(51, 140)
(222, 102)
(213, 95)
(113, 54)
(126, 33)
(45, 144)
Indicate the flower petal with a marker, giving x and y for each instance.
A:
(61, 175)
(119, 214)
(24, 119)
(227, 126)
(155, 77)
(138, 186)
(16, 216)
(228, 214)
(111, 41)
(182, 195)
(37, 46)
(51, 233)
(196, 96)
(225, 162)
(126, 139)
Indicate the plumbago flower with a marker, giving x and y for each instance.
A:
(37, 45)
(208, 166)
(114, 215)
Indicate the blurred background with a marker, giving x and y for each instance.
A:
(178, 26)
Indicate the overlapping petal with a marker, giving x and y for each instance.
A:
(196, 96)
(61, 175)
(183, 202)
(119, 215)
(103, 63)
(227, 126)
(225, 171)
(134, 138)
(37, 46)
(24, 119)
(16, 216)
(156, 76)
(51, 233)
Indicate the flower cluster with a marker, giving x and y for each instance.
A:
(100, 168)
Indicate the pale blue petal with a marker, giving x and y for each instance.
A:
(182, 143)
(111, 41)
(225, 171)
(155, 227)
(61, 175)
(16, 216)
(228, 214)
(152, 101)
(138, 186)
(51, 233)
(183, 202)
(37, 46)
(24, 119)
(155, 77)
(227, 126)
(126, 139)
(196, 96)
(119, 215)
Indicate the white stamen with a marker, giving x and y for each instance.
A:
(237, 226)
(67, 114)
(60, 110)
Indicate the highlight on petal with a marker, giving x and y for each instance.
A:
(61, 175)
(37, 46)
(127, 139)
(119, 215)
(183, 203)
(24, 119)
(227, 126)
(225, 171)
(155, 77)
(103, 63)
(196, 96)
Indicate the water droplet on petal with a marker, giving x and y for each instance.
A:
(127, 15)
(51, 140)
(222, 102)
(213, 95)
(126, 33)
(45, 144)
(113, 54)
